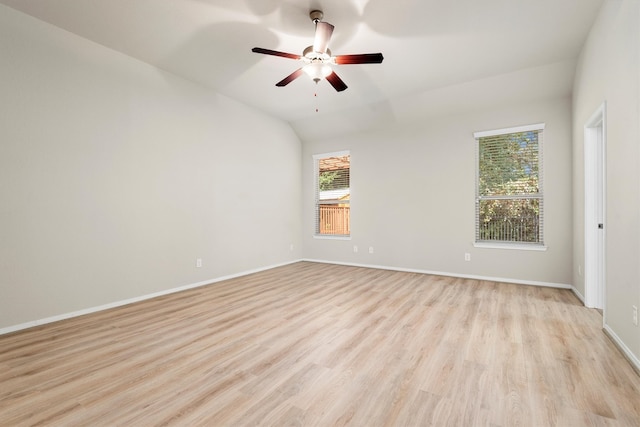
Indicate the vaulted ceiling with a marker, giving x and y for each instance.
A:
(439, 55)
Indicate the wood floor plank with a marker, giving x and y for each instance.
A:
(313, 344)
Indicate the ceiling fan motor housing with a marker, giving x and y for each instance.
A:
(312, 55)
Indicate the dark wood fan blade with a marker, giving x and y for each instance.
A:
(323, 35)
(362, 58)
(291, 77)
(336, 82)
(275, 53)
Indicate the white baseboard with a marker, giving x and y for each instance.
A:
(578, 294)
(448, 274)
(82, 312)
(632, 358)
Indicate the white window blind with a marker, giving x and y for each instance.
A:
(509, 196)
(333, 194)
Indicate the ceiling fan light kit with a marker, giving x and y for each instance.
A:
(317, 71)
(318, 58)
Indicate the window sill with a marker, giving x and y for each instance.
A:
(513, 246)
(331, 237)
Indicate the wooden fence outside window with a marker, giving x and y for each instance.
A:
(334, 219)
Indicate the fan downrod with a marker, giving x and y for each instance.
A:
(316, 16)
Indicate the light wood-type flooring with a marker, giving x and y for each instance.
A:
(324, 345)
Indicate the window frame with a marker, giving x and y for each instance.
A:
(317, 203)
(502, 244)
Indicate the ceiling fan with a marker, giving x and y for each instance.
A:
(318, 58)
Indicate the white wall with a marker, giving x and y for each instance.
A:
(115, 176)
(609, 71)
(413, 190)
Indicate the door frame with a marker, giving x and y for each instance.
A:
(595, 135)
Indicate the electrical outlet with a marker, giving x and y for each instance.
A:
(355, 248)
(199, 262)
(467, 256)
(370, 249)
(291, 247)
(635, 315)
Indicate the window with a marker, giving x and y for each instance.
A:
(332, 211)
(509, 197)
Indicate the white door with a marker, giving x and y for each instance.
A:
(594, 202)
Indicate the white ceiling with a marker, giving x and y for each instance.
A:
(439, 54)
